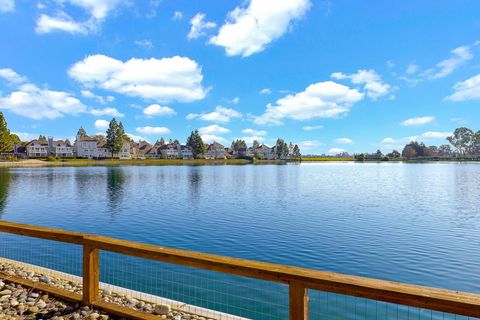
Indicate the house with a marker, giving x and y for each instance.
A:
(86, 147)
(141, 149)
(103, 152)
(215, 151)
(60, 148)
(169, 151)
(240, 153)
(19, 151)
(251, 152)
(265, 152)
(186, 152)
(124, 151)
(37, 148)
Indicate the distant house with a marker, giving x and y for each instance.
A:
(60, 148)
(20, 151)
(103, 152)
(169, 151)
(265, 152)
(141, 150)
(215, 151)
(240, 153)
(37, 148)
(251, 152)
(86, 147)
(186, 152)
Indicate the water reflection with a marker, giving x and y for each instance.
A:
(195, 181)
(5, 177)
(115, 183)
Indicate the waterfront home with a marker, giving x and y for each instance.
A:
(37, 148)
(86, 147)
(186, 152)
(215, 151)
(60, 148)
(124, 151)
(19, 151)
(265, 152)
(251, 152)
(169, 151)
(141, 150)
(240, 153)
(102, 150)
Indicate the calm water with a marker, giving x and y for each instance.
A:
(417, 223)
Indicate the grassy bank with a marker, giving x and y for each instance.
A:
(328, 159)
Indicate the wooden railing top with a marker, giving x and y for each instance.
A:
(462, 303)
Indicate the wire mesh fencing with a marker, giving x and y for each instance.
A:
(201, 292)
(332, 306)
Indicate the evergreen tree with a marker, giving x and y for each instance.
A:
(195, 142)
(81, 132)
(160, 142)
(6, 142)
(42, 137)
(296, 152)
(115, 133)
(67, 142)
(255, 145)
(176, 141)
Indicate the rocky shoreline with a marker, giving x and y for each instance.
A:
(17, 302)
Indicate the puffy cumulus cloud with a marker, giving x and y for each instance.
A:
(213, 129)
(311, 128)
(460, 55)
(7, 5)
(199, 26)
(109, 111)
(37, 103)
(101, 124)
(435, 135)
(466, 90)
(236, 100)
(137, 138)
(11, 76)
(249, 29)
(177, 15)
(221, 114)
(417, 121)
(165, 80)
(209, 138)
(250, 139)
(255, 132)
(344, 141)
(103, 100)
(158, 110)
(310, 144)
(266, 91)
(153, 130)
(97, 10)
(373, 84)
(320, 100)
(336, 150)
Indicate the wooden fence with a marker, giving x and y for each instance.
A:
(299, 280)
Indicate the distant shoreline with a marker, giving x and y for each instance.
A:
(196, 162)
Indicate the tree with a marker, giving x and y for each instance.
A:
(42, 137)
(462, 140)
(195, 142)
(67, 142)
(81, 132)
(99, 137)
(409, 152)
(281, 148)
(115, 133)
(6, 142)
(160, 142)
(15, 138)
(476, 143)
(394, 154)
(255, 145)
(176, 141)
(445, 150)
(238, 144)
(296, 152)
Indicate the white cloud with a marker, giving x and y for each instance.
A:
(62, 22)
(311, 128)
(137, 138)
(101, 124)
(158, 110)
(466, 90)
(199, 27)
(344, 141)
(444, 68)
(249, 29)
(435, 135)
(11, 76)
(209, 138)
(177, 15)
(213, 129)
(320, 100)
(25, 136)
(98, 10)
(417, 121)
(164, 80)
(36, 103)
(144, 43)
(411, 69)
(109, 111)
(309, 144)
(373, 84)
(236, 100)
(250, 139)
(221, 114)
(336, 151)
(153, 130)
(103, 100)
(266, 91)
(7, 5)
(255, 132)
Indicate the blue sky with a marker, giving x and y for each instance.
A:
(328, 75)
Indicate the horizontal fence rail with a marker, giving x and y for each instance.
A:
(299, 280)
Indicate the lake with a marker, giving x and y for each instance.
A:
(415, 223)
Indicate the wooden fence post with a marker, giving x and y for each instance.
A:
(90, 274)
(298, 301)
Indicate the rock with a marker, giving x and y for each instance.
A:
(34, 295)
(45, 279)
(32, 310)
(162, 309)
(5, 292)
(2, 284)
(93, 316)
(104, 317)
(41, 304)
(14, 303)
